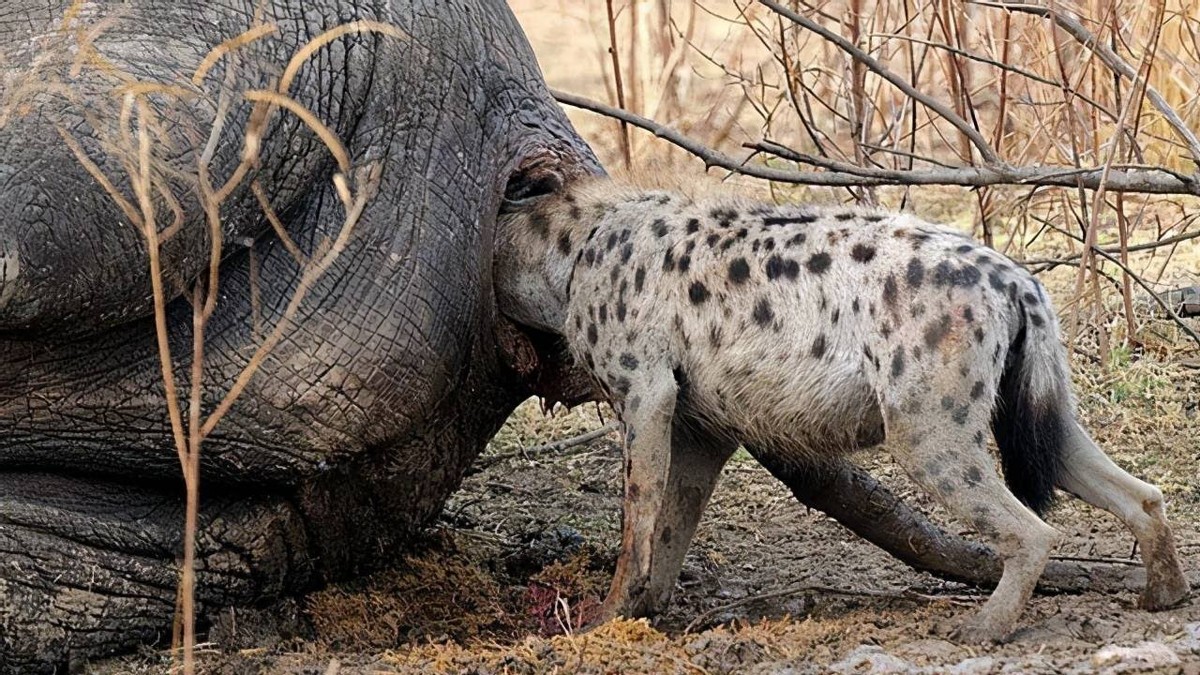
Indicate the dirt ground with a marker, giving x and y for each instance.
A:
(524, 551)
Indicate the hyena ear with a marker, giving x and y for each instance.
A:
(531, 184)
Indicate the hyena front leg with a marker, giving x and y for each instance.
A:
(940, 445)
(668, 480)
(1090, 475)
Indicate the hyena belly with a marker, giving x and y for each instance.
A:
(792, 329)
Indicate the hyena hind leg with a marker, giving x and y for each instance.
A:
(941, 449)
(1090, 475)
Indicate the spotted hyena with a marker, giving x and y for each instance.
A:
(806, 333)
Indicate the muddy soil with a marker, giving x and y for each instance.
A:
(522, 555)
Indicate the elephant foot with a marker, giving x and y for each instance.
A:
(88, 569)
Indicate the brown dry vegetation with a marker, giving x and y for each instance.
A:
(525, 549)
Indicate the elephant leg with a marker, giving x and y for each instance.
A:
(88, 569)
(851, 496)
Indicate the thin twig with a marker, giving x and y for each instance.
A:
(626, 148)
(547, 448)
(817, 588)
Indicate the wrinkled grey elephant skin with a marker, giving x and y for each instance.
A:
(362, 420)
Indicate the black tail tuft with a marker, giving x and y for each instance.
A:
(1031, 426)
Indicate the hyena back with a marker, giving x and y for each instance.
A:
(805, 333)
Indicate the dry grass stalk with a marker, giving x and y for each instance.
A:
(133, 145)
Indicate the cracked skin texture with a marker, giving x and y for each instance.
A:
(362, 421)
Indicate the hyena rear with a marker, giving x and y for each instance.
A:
(805, 333)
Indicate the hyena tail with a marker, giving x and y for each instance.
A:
(1034, 411)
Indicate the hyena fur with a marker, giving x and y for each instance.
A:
(806, 333)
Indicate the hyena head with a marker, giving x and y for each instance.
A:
(538, 235)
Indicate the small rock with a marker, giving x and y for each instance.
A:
(1144, 656)
(931, 651)
(872, 659)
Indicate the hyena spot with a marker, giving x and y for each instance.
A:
(873, 218)
(712, 239)
(862, 253)
(977, 390)
(973, 475)
(775, 221)
(693, 226)
(936, 331)
(996, 280)
(843, 217)
(1036, 319)
(946, 487)
(968, 315)
(739, 271)
(979, 438)
(818, 263)
(659, 227)
(818, 346)
(685, 263)
(621, 385)
(947, 403)
(564, 242)
(592, 334)
(854, 306)
(612, 241)
(796, 240)
(960, 415)
(621, 309)
(890, 290)
(698, 293)
(763, 314)
(979, 335)
(668, 261)
(626, 252)
(603, 314)
(778, 266)
(964, 248)
(915, 273)
(629, 361)
(898, 362)
(724, 217)
(666, 535)
(540, 224)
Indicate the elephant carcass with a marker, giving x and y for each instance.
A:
(363, 419)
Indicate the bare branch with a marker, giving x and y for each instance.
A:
(1148, 180)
